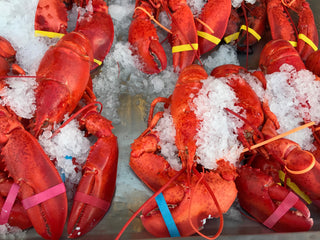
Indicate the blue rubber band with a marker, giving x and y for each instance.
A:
(166, 215)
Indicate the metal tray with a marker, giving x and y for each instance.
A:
(131, 193)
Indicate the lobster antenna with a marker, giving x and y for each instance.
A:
(201, 179)
(247, 32)
(148, 201)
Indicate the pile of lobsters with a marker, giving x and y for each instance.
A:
(273, 178)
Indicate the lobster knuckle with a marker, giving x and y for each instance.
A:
(148, 143)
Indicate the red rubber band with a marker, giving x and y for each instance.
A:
(91, 200)
(8, 204)
(282, 209)
(43, 196)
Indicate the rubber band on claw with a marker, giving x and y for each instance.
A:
(308, 41)
(39, 33)
(91, 200)
(43, 196)
(250, 30)
(185, 47)
(166, 215)
(209, 37)
(281, 210)
(8, 204)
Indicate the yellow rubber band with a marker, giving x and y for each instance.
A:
(185, 47)
(250, 30)
(294, 187)
(97, 62)
(209, 37)
(308, 41)
(39, 33)
(304, 170)
(231, 37)
(293, 43)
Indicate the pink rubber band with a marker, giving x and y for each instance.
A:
(43, 196)
(91, 200)
(282, 209)
(8, 204)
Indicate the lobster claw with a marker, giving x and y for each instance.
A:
(145, 42)
(313, 63)
(97, 185)
(36, 175)
(97, 26)
(199, 202)
(215, 15)
(308, 34)
(184, 38)
(259, 195)
(155, 172)
(51, 16)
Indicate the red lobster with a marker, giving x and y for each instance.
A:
(256, 190)
(188, 192)
(305, 36)
(27, 171)
(63, 79)
(274, 54)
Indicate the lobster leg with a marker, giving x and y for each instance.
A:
(97, 185)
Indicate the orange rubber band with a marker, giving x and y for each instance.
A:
(307, 169)
(279, 136)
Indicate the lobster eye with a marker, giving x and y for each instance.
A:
(45, 124)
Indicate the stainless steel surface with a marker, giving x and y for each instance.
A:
(131, 193)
